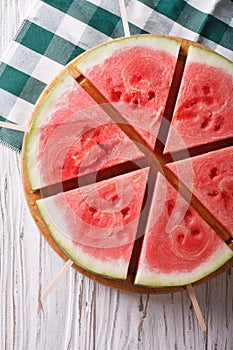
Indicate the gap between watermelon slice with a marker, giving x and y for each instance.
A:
(94, 177)
(197, 150)
(204, 106)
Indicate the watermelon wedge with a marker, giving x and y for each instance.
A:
(179, 247)
(204, 107)
(212, 182)
(135, 74)
(96, 225)
(72, 130)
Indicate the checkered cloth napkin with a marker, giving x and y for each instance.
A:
(56, 31)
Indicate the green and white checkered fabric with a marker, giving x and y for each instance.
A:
(56, 31)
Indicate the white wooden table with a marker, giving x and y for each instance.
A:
(80, 314)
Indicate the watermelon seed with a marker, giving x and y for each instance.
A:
(135, 79)
(205, 123)
(92, 210)
(114, 197)
(195, 232)
(96, 133)
(125, 212)
(206, 89)
(219, 122)
(135, 102)
(180, 238)
(213, 172)
(151, 95)
(115, 96)
(170, 206)
(191, 103)
(207, 120)
(213, 193)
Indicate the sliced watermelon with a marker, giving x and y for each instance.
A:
(96, 225)
(212, 182)
(204, 107)
(135, 74)
(179, 247)
(70, 136)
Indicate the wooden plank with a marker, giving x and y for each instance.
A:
(82, 314)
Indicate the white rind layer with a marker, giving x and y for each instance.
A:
(59, 231)
(102, 52)
(158, 279)
(204, 56)
(42, 117)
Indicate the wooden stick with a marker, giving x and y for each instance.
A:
(196, 307)
(14, 126)
(124, 18)
(57, 279)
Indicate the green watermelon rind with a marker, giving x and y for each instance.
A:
(104, 51)
(114, 270)
(33, 137)
(144, 277)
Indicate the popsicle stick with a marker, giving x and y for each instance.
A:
(124, 18)
(57, 279)
(14, 126)
(196, 307)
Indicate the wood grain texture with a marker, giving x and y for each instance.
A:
(81, 314)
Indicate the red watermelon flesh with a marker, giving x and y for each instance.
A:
(178, 247)
(68, 104)
(212, 182)
(204, 107)
(80, 138)
(137, 80)
(97, 224)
